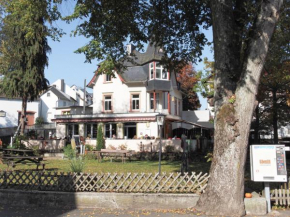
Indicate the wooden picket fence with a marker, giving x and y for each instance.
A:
(281, 195)
(104, 182)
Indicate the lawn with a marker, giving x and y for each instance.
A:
(93, 166)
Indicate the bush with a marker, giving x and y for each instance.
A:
(17, 142)
(77, 165)
(39, 120)
(69, 152)
(89, 147)
(100, 139)
(169, 148)
(112, 147)
(123, 147)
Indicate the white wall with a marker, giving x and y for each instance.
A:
(151, 130)
(11, 106)
(47, 105)
(120, 95)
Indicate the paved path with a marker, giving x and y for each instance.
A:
(49, 212)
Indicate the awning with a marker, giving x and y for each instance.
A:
(191, 123)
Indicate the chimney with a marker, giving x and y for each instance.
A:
(62, 85)
(130, 48)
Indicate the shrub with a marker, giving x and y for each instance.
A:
(39, 120)
(17, 142)
(123, 147)
(89, 147)
(100, 139)
(112, 147)
(169, 148)
(69, 152)
(209, 156)
(77, 165)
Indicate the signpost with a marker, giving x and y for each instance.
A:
(268, 164)
(160, 118)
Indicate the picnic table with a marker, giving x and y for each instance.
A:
(13, 156)
(112, 153)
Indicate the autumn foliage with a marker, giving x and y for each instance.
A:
(187, 79)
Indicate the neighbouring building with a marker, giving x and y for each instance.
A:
(11, 110)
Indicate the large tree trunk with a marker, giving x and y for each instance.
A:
(236, 84)
(275, 116)
(23, 115)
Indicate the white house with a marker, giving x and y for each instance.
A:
(126, 105)
(52, 99)
(11, 108)
(60, 95)
(80, 93)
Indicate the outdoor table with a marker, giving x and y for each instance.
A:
(112, 153)
(16, 156)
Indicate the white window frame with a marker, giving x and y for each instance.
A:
(109, 102)
(153, 67)
(135, 102)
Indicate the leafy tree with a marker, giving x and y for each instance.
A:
(273, 110)
(206, 84)
(24, 48)
(187, 78)
(100, 139)
(241, 34)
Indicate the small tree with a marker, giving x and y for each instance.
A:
(100, 139)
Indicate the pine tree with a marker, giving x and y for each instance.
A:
(100, 139)
(24, 49)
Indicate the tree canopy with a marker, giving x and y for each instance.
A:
(242, 30)
(187, 77)
(24, 48)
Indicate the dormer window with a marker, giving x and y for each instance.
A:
(157, 71)
(108, 78)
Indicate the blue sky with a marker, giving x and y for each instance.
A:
(65, 64)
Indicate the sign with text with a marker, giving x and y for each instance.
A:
(268, 163)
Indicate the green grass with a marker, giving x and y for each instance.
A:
(93, 166)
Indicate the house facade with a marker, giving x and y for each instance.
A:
(60, 95)
(125, 105)
(11, 108)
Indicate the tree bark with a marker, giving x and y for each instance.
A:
(23, 115)
(275, 117)
(236, 83)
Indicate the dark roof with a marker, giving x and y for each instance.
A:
(136, 73)
(137, 70)
(61, 95)
(152, 53)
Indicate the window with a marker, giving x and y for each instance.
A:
(48, 94)
(110, 130)
(158, 70)
(107, 103)
(91, 130)
(135, 102)
(108, 78)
